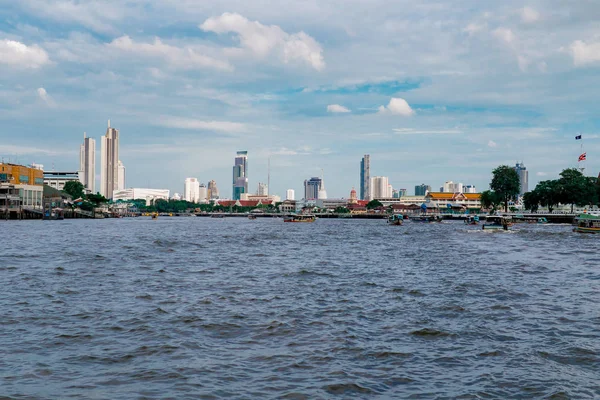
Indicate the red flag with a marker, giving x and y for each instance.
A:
(582, 157)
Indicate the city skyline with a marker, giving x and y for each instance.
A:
(479, 85)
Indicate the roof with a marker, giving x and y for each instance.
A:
(447, 196)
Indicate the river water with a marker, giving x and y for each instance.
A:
(188, 308)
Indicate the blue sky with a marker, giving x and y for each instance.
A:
(433, 90)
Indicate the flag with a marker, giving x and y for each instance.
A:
(578, 137)
(582, 157)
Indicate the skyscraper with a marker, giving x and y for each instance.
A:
(191, 190)
(365, 177)
(422, 189)
(121, 181)
(202, 193)
(311, 188)
(240, 175)
(290, 194)
(87, 163)
(523, 178)
(213, 190)
(263, 189)
(109, 163)
(380, 187)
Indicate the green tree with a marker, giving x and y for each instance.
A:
(505, 183)
(341, 210)
(75, 189)
(489, 200)
(531, 201)
(576, 189)
(96, 199)
(374, 204)
(548, 194)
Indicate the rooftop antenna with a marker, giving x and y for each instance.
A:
(84, 135)
(109, 123)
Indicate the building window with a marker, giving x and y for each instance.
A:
(24, 179)
(39, 181)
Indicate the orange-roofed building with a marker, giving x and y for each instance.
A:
(442, 200)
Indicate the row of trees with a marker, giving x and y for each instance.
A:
(76, 190)
(571, 188)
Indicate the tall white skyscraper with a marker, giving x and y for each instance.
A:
(87, 163)
(365, 177)
(191, 190)
(121, 180)
(203, 193)
(263, 189)
(523, 178)
(290, 194)
(109, 163)
(380, 187)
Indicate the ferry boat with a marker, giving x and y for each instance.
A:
(299, 218)
(496, 223)
(587, 223)
(251, 217)
(217, 215)
(427, 218)
(472, 220)
(542, 220)
(395, 219)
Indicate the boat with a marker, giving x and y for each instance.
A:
(587, 223)
(217, 216)
(472, 220)
(299, 218)
(155, 216)
(252, 217)
(427, 218)
(395, 219)
(496, 223)
(542, 220)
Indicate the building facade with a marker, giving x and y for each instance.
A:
(263, 189)
(213, 190)
(451, 187)
(240, 175)
(109, 162)
(290, 194)
(87, 163)
(523, 178)
(311, 188)
(149, 195)
(202, 193)
(191, 190)
(121, 174)
(422, 189)
(29, 182)
(58, 179)
(365, 178)
(380, 188)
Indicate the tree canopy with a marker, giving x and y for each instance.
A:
(505, 184)
(75, 189)
(374, 204)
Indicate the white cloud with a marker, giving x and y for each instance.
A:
(410, 131)
(15, 53)
(505, 35)
(492, 144)
(529, 15)
(397, 106)
(541, 173)
(473, 28)
(262, 40)
(195, 124)
(584, 53)
(184, 58)
(45, 97)
(336, 108)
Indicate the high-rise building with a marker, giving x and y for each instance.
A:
(451, 187)
(87, 163)
(401, 193)
(109, 172)
(191, 190)
(311, 188)
(365, 177)
(240, 175)
(263, 189)
(422, 189)
(523, 178)
(121, 169)
(202, 193)
(380, 188)
(469, 189)
(213, 190)
(322, 194)
(290, 194)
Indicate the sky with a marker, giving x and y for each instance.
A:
(432, 90)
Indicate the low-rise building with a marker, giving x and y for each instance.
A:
(58, 179)
(150, 195)
(28, 181)
(443, 200)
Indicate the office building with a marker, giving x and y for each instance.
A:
(213, 190)
(58, 179)
(240, 175)
(109, 162)
(87, 163)
(121, 174)
(365, 177)
(469, 189)
(451, 187)
(290, 194)
(380, 188)
(422, 189)
(263, 189)
(523, 178)
(191, 190)
(202, 194)
(26, 182)
(322, 194)
(311, 188)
